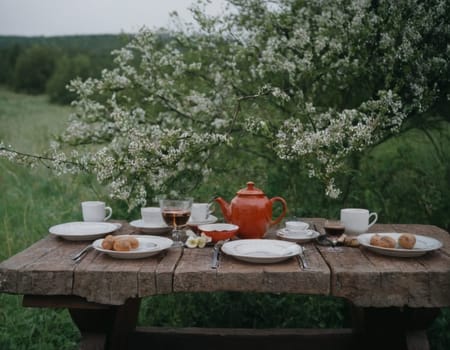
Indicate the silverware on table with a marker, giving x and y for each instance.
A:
(216, 253)
(82, 253)
(302, 258)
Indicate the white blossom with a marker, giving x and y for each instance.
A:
(311, 82)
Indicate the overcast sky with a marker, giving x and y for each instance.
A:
(68, 17)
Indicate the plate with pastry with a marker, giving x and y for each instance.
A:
(83, 230)
(132, 246)
(404, 245)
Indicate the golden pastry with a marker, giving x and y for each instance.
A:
(108, 242)
(375, 240)
(383, 241)
(134, 243)
(387, 242)
(351, 242)
(348, 241)
(120, 243)
(407, 241)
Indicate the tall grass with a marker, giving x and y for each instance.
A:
(32, 200)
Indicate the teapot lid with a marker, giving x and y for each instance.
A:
(251, 190)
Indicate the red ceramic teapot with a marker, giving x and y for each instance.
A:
(251, 210)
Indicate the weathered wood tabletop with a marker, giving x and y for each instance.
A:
(364, 278)
(361, 276)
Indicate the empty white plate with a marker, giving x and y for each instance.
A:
(82, 231)
(261, 250)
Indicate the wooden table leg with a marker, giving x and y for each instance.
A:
(110, 327)
(393, 328)
(101, 326)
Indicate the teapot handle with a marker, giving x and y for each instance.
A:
(283, 214)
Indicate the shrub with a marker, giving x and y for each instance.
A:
(33, 68)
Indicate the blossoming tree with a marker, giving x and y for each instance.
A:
(310, 82)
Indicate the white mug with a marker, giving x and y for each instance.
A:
(357, 221)
(152, 215)
(200, 211)
(95, 211)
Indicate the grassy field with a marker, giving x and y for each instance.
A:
(32, 200)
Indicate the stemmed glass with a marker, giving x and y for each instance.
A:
(176, 214)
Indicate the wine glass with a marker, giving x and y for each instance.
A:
(176, 213)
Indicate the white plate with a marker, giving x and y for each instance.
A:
(261, 250)
(297, 237)
(423, 245)
(146, 227)
(82, 230)
(210, 220)
(148, 246)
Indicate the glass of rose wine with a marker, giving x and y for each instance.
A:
(176, 213)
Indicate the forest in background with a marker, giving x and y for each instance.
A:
(38, 65)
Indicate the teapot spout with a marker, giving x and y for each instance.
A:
(225, 207)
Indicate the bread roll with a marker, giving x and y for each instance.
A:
(134, 243)
(120, 243)
(407, 241)
(375, 240)
(383, 241)
(108, 242)
(387, 242)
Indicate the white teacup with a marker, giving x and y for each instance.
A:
(357, 221)
(200, 212)
(95, 211)
(152, 215)
(297, 227)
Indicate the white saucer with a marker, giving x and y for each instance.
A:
(210, 220)
(297, 236)
(82, 230)
(147, 227)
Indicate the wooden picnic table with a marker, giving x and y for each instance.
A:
(393, 300)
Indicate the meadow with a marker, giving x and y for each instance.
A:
(33, 199)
